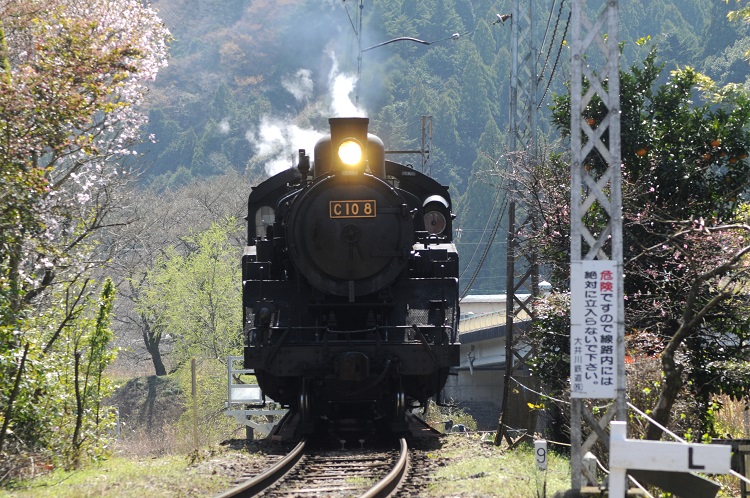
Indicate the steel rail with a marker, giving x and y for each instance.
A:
(262, 481)
(386, 486)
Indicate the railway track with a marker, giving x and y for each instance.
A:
(365, 472)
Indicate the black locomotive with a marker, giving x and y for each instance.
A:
(350, 283)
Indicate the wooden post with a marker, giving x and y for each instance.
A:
(195, 403)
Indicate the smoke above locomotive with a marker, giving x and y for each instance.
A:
(350, 283)
(276, 139)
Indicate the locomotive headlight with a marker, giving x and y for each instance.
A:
(434, 222)
(436, 214)
(350, 152)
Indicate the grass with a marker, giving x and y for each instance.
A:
(157, 467)
(471, 468)
(468, 468)
(733, 418)
(168, 476)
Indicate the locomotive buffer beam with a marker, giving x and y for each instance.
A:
(412, 358)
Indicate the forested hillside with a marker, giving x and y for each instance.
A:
(249, 82)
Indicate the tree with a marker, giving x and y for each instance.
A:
(71, 76)
(684, 226)
(160, 219)
(481, 210)
(195, 297)
(684, 172)
(742, 13)
(88, 343)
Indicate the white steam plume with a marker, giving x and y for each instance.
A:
(342, 86)
(277, 143)
(341, 103)
(300, 85)
(277, 140)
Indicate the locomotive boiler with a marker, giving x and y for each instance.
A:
(350, 283)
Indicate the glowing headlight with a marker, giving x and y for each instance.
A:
(350, 152)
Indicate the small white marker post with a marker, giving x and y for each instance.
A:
(540, 450)
(636, 454)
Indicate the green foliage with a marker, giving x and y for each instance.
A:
(69, 79)
(57, 405)
(733, 377)
(207, 408)
(437, 415)
(742, 14)
(552, 361)
(484, 194)
(684, 150)
(83, 426)
(195, 297)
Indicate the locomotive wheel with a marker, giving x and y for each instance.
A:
(304, 404)
(399, 405)
(398, 422)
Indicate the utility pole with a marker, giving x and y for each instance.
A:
(425, 147)
(520, 256)
(592, 42)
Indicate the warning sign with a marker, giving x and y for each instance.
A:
(593, 329)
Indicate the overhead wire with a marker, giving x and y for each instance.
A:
(481, 238)
(487, 248)
(498, 191)
(557, 60)
(546, 29)
(552, 41)
(351, 21)
(488, 245)
(454, 36)
(498, 219)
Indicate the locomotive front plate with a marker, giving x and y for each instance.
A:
(352, 209)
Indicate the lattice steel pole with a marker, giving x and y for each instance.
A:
(523, 145)
(591, 42)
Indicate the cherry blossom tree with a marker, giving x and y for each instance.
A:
(72, 76)
(74, 73)
(164, 219)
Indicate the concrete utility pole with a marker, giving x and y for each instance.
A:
(595, 43)
(523, 145)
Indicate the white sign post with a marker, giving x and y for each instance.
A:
(637, 454)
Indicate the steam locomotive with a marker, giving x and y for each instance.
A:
(350, 283)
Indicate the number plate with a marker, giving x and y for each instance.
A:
(352, 209)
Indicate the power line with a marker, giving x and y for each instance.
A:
(552, 41)
(486, 248)
(351, 21)
(358, 34)
(557, 60)
(492, 210)
(546, 30)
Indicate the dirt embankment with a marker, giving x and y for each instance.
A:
(148, 404)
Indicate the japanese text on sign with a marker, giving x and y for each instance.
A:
(593, 329)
